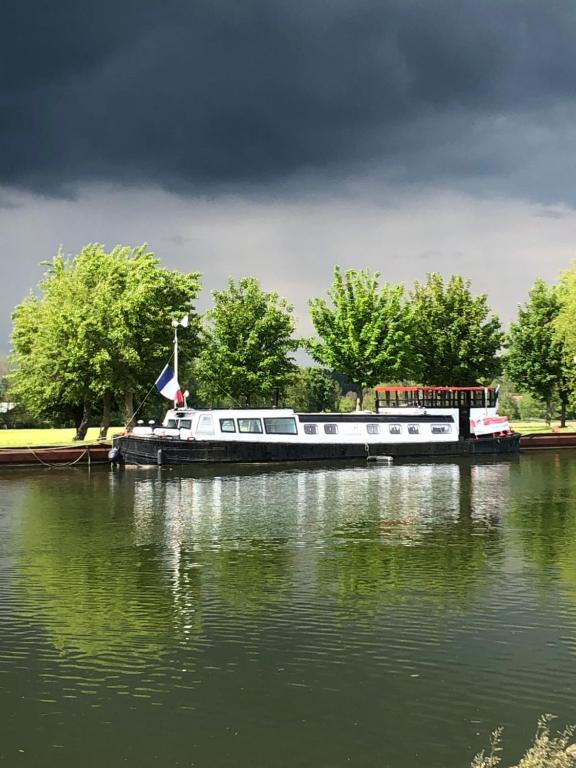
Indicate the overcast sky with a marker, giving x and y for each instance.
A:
(277, 138)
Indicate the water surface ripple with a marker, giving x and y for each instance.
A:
(285, 616)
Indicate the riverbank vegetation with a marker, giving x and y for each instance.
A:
(88, 345)
(538, 359)
(96, 333)
(247, 337)
(548, 750)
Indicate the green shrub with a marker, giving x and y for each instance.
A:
(547, 751)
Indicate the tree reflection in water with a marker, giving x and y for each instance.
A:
(542, 516)
(120, 566)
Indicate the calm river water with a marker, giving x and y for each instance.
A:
(289, 617)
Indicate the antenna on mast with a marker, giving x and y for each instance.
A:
(175, 323)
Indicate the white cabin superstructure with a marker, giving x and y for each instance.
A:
(404, 415)
(407, 422)
(281, 425)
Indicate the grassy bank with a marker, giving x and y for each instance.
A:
(539, 425)
(24, 437)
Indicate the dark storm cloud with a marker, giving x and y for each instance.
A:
(194, 93)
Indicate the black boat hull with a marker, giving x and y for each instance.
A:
(145, 450)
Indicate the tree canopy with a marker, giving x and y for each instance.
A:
(537, 360)
(455, 339)
(313, 389)
(99, 329)
(247, 338)
(4, 369)
(564, 325)
(362, 330)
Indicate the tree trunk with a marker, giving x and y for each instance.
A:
(129, 410)
(84, 421)
(563, 408)
(359, 398)
(548, 411)
(105, 421)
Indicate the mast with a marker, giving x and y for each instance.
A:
(175, 323)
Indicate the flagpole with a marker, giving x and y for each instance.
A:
(175, 323)
(175, 326)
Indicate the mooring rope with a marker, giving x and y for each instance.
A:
(59, 465)
(61, 447)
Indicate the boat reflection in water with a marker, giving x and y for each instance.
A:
(123, 564)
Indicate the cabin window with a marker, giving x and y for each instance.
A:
(310, 429)
(171, 424)
(373, 429)
(441, 429)
(227, 425)
(280, 426)
(205, 425)
(331, 429)
(249, 425)
(395, 429)
(185, 424)
(413, 429)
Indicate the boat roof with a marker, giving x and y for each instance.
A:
(420, 387)
(248, 410)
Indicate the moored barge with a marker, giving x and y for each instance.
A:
(407, 422)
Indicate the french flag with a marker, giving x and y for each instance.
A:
(168, 386)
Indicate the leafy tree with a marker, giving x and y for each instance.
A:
(537, 360)
(564, 326)
(4, 395)
(312, 390)
(455, 340)
(363, 332)
(100, 327)
(4, 368)
(248, 335)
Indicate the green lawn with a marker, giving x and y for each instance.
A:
(539, 425)
(24, 437)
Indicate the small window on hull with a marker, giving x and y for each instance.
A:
(373, 429)
(331, 429)
(441, 429)
(395, 429)
(227, 425)
(413, 429)
(310, 429)
(185, 423)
